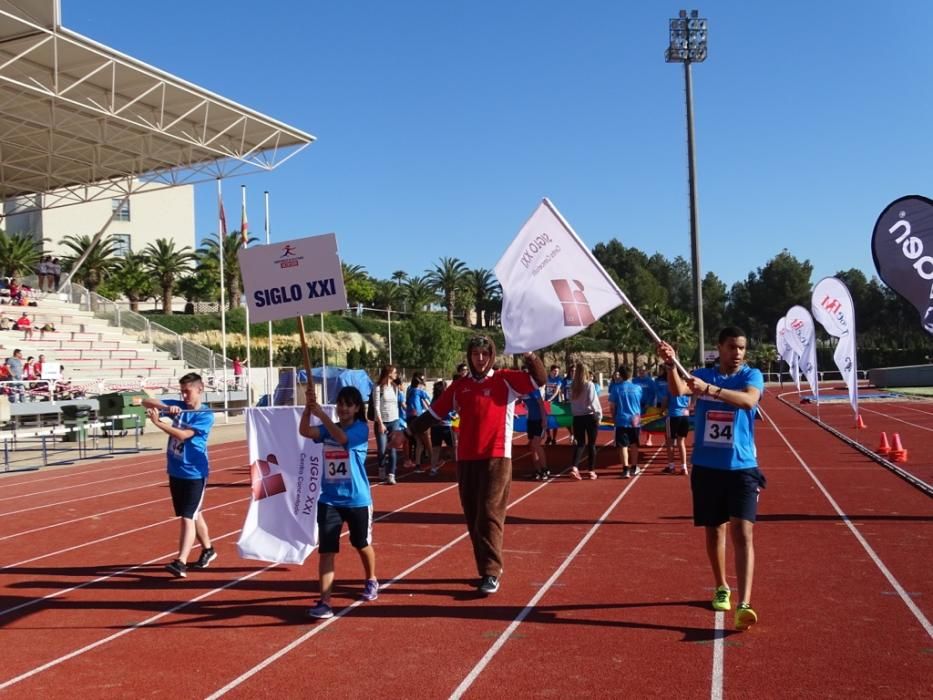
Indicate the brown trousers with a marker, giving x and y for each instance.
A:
(484, 494)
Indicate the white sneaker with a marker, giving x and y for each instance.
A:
(390, 480)
(636, 471)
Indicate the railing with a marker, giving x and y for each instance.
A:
(192, 354)
(31, 390)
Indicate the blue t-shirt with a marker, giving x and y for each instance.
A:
(187, 459)
(344, 482)
(627, 399)
(648, 391)
(533, 405)
(554, 388)
(725, 434)
(676, 405)
(416, 398)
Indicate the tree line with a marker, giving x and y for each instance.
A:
(659, 287)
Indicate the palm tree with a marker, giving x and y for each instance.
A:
(399, 276)
(166, 264)
(131, 278)
(621, 330)
(447, 277)
(387, 294)
(419, 293)
(19, 254)
(100, 260)
(208, 256)
(485, 288)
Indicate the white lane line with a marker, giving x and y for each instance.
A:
(504, 637)
(44, 506)
(180, 606)
(93, 516)
(324, 624)
(60, 472)
(113, 536)
(101, 579)
(899, 420)
(132, 628)
(717, 676)
(921, 618)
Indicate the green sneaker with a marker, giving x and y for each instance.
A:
(721, 599)
(745, 617)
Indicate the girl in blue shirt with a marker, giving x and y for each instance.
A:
(345, 495)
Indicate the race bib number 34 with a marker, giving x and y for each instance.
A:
(336, 465)
(720, 429)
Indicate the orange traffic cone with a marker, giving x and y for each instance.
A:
(898, 453)
(859, 423)
(884, 449)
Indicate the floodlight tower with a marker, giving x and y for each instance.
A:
(688, 46)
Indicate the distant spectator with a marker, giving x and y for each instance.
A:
(56, 271)
(29, 369)
(15, 365)
(5, 323)
(237, 371)
(47, 327)
(25, 325)
(16, 292)
(44, 274)
(39, 364)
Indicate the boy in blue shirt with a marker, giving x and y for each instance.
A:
(625, 402)
(345, 495)
(676, 423)
(534, 404)
(554, 390)
(725, 479)
(188, 467)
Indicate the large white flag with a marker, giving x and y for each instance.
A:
(552, 286)
(786, 351)
(281, 524)
(800, 325)
(833, 307)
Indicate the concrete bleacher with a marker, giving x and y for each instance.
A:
(92, 351)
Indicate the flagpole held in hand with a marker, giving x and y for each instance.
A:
(304, 351)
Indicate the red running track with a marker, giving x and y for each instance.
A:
(605, 592)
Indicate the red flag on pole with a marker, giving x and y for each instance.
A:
(223, 221)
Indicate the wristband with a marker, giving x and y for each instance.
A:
(718, 392)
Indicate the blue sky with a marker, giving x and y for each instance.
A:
(440, 125)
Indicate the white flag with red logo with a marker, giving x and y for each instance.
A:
(802, 335)
(285, 471)
(786, 351)
(832, 306)
(552, 286)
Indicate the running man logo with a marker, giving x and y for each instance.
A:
(573, 301)
(266, 483)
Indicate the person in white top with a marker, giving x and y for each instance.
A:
(587, 413)
(385, 404)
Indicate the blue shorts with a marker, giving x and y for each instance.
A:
(721, 494)
(535, 428)
(330, 520)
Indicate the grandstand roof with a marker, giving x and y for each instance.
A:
(81, 121)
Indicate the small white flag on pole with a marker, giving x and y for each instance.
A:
(802, 334)
(552, 286)
(832, 306)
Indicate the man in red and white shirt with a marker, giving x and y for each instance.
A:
(485, 401)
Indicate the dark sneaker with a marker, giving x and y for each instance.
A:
(489, 585)
(625, 473)
(371, 591)
(545, 475)
(177, 568)
(207, 556)
(635, 471)
(320, 611)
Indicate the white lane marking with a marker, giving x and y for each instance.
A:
(324, 624)
(921, 618)
(503, 638)
(718, 654)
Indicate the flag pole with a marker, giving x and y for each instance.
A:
(625, 300)
(323, 364)
(269, 373)
(244, 236)
(304, 351)
(222, 239)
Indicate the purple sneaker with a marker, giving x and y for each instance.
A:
(371, 591)
(321, 611)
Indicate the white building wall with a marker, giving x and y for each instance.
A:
(166, 213)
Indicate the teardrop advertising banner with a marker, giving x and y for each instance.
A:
(902, 247)
(831, 304)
